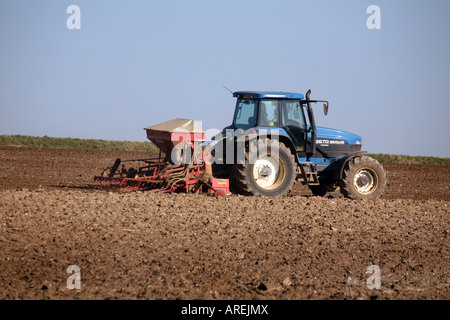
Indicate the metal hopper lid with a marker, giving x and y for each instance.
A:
(177, 125)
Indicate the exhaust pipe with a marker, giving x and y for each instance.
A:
(312, 123)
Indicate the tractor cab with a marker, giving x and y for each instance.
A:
(268, 109)
(278, 110)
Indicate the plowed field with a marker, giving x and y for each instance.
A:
(144, 245)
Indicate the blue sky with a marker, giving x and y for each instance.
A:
(138, 63)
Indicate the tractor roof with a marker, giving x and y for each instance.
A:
(268, 94)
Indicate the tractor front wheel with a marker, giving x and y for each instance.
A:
(363, 178)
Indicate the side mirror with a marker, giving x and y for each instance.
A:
(325, 108)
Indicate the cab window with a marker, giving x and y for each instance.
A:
(268, 113)
(245, 116)
(292, 114)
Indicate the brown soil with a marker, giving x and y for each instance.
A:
(145, 245)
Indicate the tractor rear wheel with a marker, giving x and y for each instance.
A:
(363, 178)
(272, 172)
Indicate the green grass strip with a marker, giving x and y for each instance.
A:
(75, 143)
(401, 159)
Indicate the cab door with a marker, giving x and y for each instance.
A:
(293, 121)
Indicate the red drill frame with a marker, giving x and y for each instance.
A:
(163, 176)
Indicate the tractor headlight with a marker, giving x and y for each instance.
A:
(358, 141)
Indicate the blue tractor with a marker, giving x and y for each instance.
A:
(276, 134)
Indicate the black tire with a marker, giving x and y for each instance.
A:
(326, 190)
(269, 152)
(363, 178)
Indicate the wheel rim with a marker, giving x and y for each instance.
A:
(268, 172)
(365, 181)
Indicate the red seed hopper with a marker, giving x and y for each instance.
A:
(184, 168)
(170, 134)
